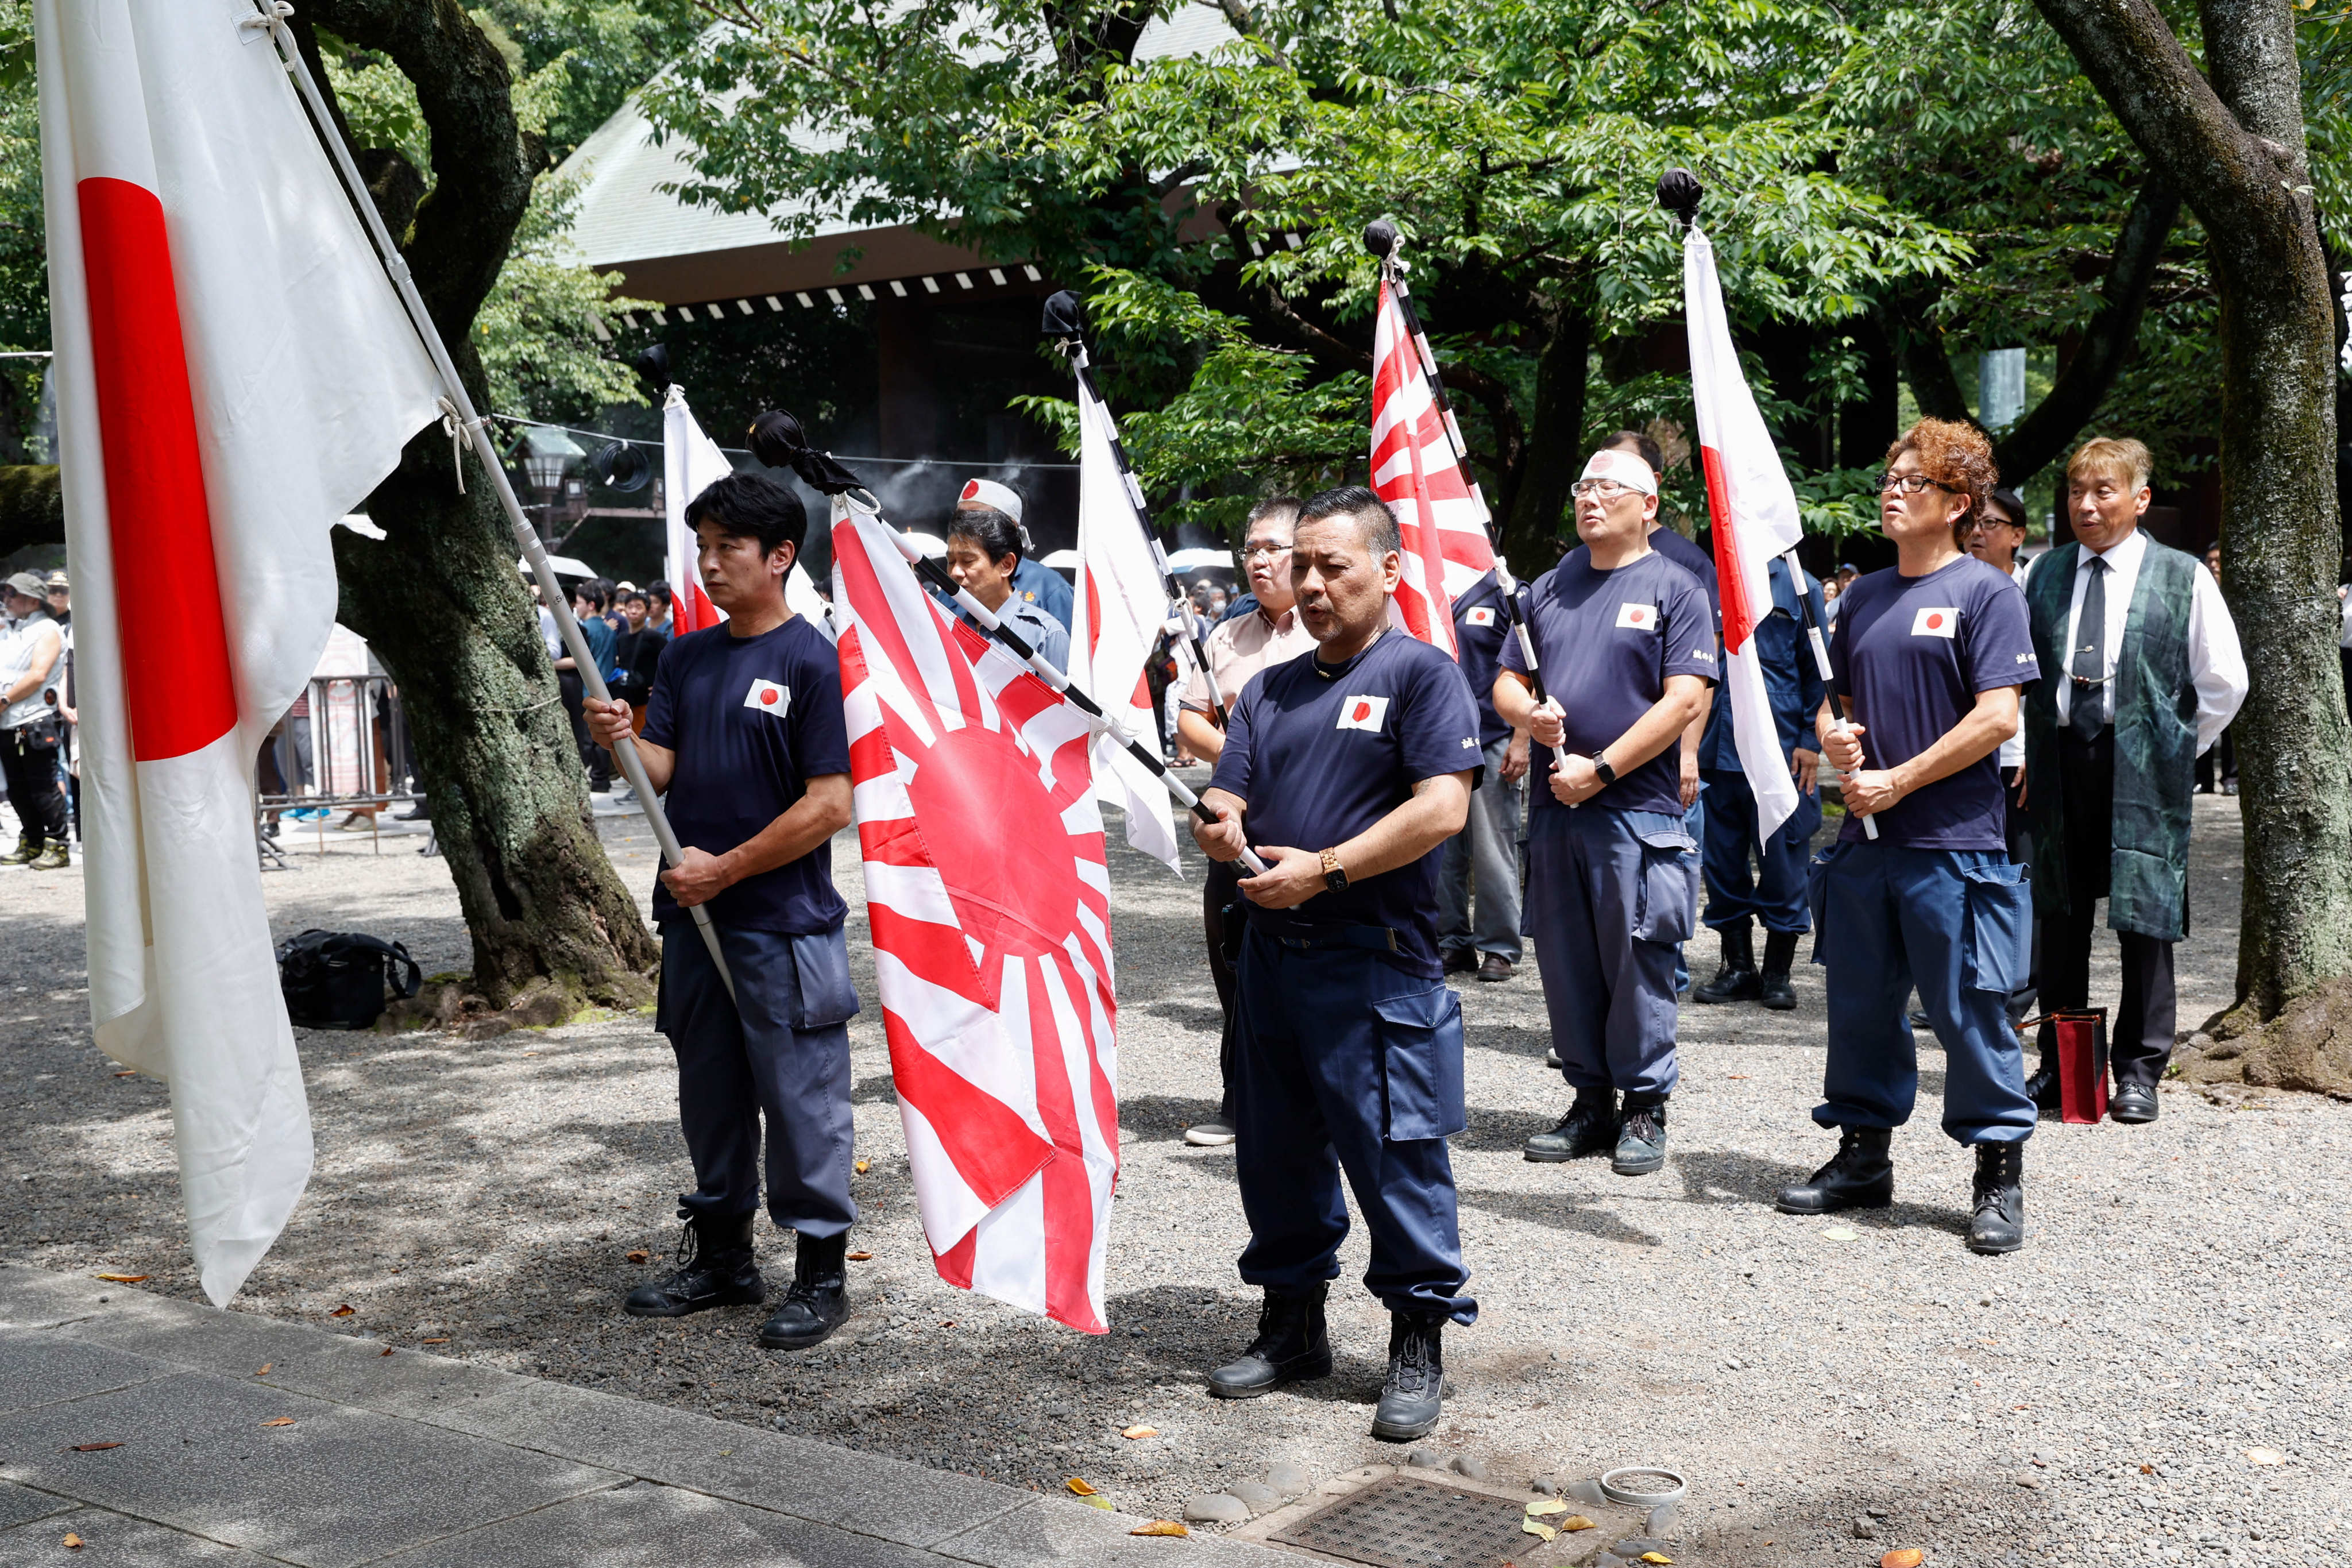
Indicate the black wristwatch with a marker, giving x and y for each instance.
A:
(1335, 875)
(1602, 771)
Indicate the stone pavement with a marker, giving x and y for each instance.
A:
(400, 1457)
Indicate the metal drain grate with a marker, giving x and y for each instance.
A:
(1400, 1522)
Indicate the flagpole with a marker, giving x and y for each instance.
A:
(268, 15)
(1383, 240)
(1062, 325)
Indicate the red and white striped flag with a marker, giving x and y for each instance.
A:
(1754, 511)
(233, 375)
(990, 902)
(1439, 512)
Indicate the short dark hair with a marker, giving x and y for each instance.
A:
(1285, 506)
(1371, 515)
(658, 591)
(751, 506)
(995, 531)
(1641, 442)
(637, 596)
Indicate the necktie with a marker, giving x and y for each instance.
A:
(2087, 704)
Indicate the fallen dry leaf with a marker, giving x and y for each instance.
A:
(860, 1257)
(2264, 1457)
(73, 1541)
(263, 1370)
(1542, 1506)
(1903, 1557)
(94, 1447)
(1101, 1502)
(121, 1279)
(279, 1421)
(1134, 1431)
(639, 1257)
(2148, 1469)
(863, 1166)
(1738, 1075)
(345, 1310)
(131, 1073)
(1656, 1557)
(386, 1350)
(1538, 1527)
(1079, 1487)
(439, 1341)
(1574, 1522)
(1160, 1526)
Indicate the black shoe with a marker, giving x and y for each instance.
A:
(2042, 1086)
(1410, 1397)
(1998, 1223)
(1552, 1059)
(1773, 989)
(1589, 1126)
(1461, 960)
(718, 1271)
(2133, 1103)
(1292, 1345)
(818, 1301)
(1494, 966)
(413, 814)
(599, 786)
(1921, 1021)
(1736, 980)
(1860, 1175)
(1641, 1139)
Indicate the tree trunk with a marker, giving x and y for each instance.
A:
(2234, 147)
(439, 597)
(32, 507)
(1552, 452)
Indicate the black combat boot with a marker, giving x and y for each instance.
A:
(1773, 989)
(1589, 1126)
(2041, 1084)
(1409, 1398)
(1736, 980)
(1641, 1137)
(718, 1271)
(1292, 1344)
(1998, 1223)
(819, 1299)
(1860, 1175)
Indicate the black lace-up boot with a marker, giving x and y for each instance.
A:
(818, 1301)
(1590, 1127)
(1999, 1222)
(1773, 989)
(715, 1270)
(1410, 1399)
(1292, 1344)
(1735, 979)
(1641, 1137)
(1860, 1175)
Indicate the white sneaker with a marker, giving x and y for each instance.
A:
(1214, 1134)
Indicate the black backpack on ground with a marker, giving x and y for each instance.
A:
(336, 980)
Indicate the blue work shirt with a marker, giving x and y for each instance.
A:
(1318, 753)
(1913, 653)
(751, 721)
(1035, 582)
(1792, 676)
(1481, 622)
(1607, 642)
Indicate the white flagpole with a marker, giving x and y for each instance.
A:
(272, 14)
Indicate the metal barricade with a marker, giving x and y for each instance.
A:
(348, 752)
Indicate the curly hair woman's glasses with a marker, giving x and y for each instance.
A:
(1910, 485)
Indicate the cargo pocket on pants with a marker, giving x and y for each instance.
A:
(1421, 1064)
(821, 965)
(1817, 898)
(2001, 924)
(1669, 912)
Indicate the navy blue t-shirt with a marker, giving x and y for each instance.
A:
(1913, 653)
(1480, 624)
(751, 721)
(1695, 559)
(1318, 753)
(1608, 640)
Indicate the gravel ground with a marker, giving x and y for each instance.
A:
(2158, 1377)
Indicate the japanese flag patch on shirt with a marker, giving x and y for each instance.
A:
(1484, 615)
(1934, 622)
(1637, 617)
(768, 698)
(1363, 713)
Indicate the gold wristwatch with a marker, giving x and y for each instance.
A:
(1335, 879)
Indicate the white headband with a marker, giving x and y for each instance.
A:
(988, 494)
(1613, 463)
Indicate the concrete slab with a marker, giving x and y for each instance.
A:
(115, 1541)
(1050, 1530)
(302, 1358)
(340, 1487)
(37, 1299)
(650, 1526)
(19, 1504)
(40, 1366)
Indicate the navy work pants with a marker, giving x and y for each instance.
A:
(1954, 922)
(778, 1052)
(1774, 891)
(1348, 1063)
(1485, 852)
(1613, 896)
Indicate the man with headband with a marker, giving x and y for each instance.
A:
(1626, 644)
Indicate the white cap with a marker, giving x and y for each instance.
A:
(988, 494)
(1626, 467)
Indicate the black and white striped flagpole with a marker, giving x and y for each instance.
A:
(1382, 239)
(777, 440)
(1062, 326)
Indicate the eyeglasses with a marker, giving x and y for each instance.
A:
(1910, 485)
(1601, 489)
(1270, 551)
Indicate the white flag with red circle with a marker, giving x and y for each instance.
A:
(692, 463)
(1440, 514)
(233, 375)
(989, 898)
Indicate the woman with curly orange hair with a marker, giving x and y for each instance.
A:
(1927, 663)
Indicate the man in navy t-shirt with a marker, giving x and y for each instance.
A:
(744, 734)
(1927, 662)
(1348, 768)
(1487, 850)
(1626, 644)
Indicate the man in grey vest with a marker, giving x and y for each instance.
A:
(2143, 672)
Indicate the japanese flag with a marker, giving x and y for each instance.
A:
(1363, 713)
(1484, 615)
(767, 696)
(1637, 617)
(1936, 621)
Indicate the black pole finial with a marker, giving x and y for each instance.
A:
(1679, 192)
(1382, 238)
(1063, 319)
(651, 365)
(779, 440)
